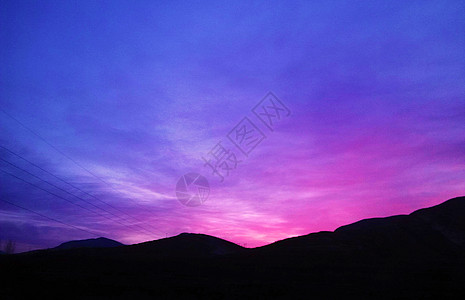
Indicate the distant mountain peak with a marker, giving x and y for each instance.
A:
(100, 242)
(189, 244)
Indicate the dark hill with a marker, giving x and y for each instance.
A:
(89, 243)
(433, 233)
(186, 245)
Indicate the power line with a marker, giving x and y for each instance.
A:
(52, 219)
(66, 156)
(57, 187)
(75, 187)
(56, 149)
(44, 190)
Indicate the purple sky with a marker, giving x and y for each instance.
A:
(138, 92)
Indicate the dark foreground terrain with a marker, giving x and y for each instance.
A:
(416, 256)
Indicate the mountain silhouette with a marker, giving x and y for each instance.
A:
(415, 256)
(100, 242)
(433, 233)
(186, 245)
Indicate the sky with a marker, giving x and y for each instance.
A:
(105, 105)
